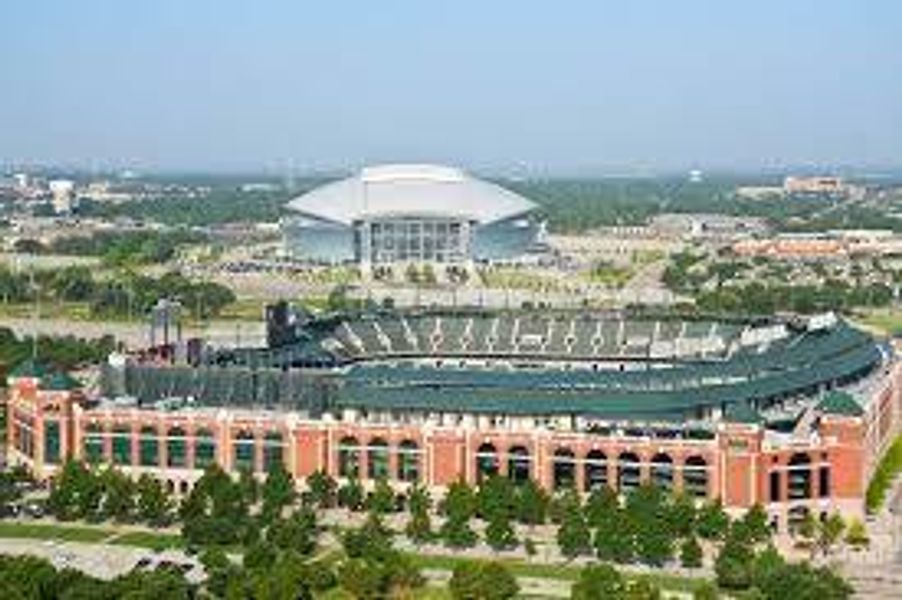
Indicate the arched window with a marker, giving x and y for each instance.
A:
(563, 468)
(204, 448)
(377, 459)
(349, 457)
(176, 448)
(486, 461)
(799, 476)
(518, 464)
(122, 445)
(628, 472)
(408, 461)
(273, 451)
(596, 470)
(93, 443)
(245, 450)
(662, 471)
(149, 447)
(695, 477)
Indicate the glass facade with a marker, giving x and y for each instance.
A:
(387, 240)
(411, 240)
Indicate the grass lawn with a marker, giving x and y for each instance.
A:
(887, 321)
(521, 568)
(66, 533)
(148, 539)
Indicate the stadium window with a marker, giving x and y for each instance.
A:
(52, 442)
(149, 447)
(122, 445)
(776, 492)
(93, 444)
(204, 449)
(824, 482)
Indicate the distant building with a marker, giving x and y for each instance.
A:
(706, 225)
(63, 195)
(833, 186)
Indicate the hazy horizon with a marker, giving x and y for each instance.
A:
(509, 87)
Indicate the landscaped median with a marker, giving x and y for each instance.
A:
(89, 534)
(889, 468)
(521, 568)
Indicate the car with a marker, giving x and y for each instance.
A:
(143, 562)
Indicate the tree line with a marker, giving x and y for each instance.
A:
(126, 294)
(279, 528)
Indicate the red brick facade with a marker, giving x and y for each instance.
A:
(742, 464)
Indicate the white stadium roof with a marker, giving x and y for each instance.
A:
(411, 190)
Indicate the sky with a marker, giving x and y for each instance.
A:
(511, 85)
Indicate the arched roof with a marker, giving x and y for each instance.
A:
(411, 190)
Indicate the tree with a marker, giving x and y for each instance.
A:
(755, 524)
(596, 582)
(857, 535)
(531, 503)
(705, 591)
(713, 523)
(419, 526)
(482, 581)
(382, 499)
(278, 491)
(830, 532)
(459, 506)
(691, 553)
(153, 503)
(119, 495)
(734, 564)
(573, 535)
(499, 534)
(298, 533)
(350, 495)
(602, 506)
(321, 487)
(614, 539)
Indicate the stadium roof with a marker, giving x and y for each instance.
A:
(411, 190)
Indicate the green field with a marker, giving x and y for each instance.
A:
(66, 533)
(565, 572)
(148, 539)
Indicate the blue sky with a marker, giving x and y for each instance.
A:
(545, 86)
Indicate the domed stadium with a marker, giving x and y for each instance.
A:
(409, 213)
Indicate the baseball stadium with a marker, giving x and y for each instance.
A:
(792, 413)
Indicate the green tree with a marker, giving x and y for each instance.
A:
(691, 553)
(154, 505)
(482, 581)
(278, 492)
(350, 495)
(419, 526)
(830, 532)
(119, 495)
(459, 506)
(573, 535)
(382, 499)
(531, 503)
(734, 564)
(596, 582)
(321, 488)
(712, 523)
